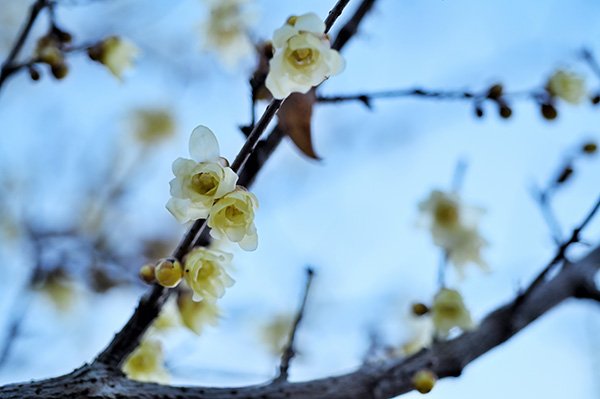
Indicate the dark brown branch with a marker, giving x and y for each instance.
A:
(335, 13)
(375, 380)
(350, 28)
(8, 66)
(290, 351)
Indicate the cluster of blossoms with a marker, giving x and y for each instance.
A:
(566, 85)
(453, 227)
(226, 31)
(302, 57)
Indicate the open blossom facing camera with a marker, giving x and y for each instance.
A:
(146, 363)
(233, 217)
(448, 311)
(303, 56)
(205, 274)
(453, 227)
(226, 30)
(199, 181)
(568, 86)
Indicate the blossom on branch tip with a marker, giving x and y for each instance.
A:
(145, 363)
(449, 311)
(566, 85)
(116, 54)
(168, 273)
(232, 216)
(302, 58)
(199, 181)
(205, 273)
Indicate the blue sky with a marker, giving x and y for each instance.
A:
(352, 215)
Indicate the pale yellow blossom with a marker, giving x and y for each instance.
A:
(168, 273)
(146, 363)
(276, 333)
(226, 31)
(302, 58)
(205, 273)
(196, 315)
(152, 125)
(568, 86)
(233, 216)
(115, 53)
(199, 181)
(449, 311)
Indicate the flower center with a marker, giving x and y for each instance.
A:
(234, 215)
(450, 311)
(303, 56)
(204, 183)
(446, 214)
(207, 270)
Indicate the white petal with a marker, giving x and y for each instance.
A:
(310, 23)
(281, 35)
(250, 242)
(178, 208)
(336, 62)
(228, 183)
(182, 166)
(204, 145)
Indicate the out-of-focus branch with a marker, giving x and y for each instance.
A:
(9, 65)
(290, 351)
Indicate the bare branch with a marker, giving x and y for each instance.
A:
(289, 351)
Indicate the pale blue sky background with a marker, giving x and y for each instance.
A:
(351, 215)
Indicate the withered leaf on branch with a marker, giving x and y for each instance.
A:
(295, 117)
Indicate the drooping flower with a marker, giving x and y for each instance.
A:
(199, 181)
(226, 31)
(566, 85)
(275, 334)
(453, 227)
(116, 54)
(233, 216)
(303, 56)
(448, 311)
(196, 315)
(205, 273)
(146, 363)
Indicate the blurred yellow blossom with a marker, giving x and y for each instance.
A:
(303, 56)
(568, 86)
(152, 125)
(276, 333)
(146, 363)
(196, 315)
(448, 311)
(116, 54)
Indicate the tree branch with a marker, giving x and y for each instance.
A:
(375, 380)
(289, 351)
(8, 66)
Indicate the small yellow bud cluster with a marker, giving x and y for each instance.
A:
(115, 53)
(424, 381)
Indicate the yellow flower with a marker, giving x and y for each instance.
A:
(205, 273)
(453, 227)
(196, 315)
(201, 181)
(226, 31)
(448, 311)
(303, 56)
(167, 319)
(276, 333)
(152, 125)
(568, 86)
(233, 216)
(146, 363)
(422, 335)
(116, 54)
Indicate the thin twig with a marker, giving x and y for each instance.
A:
(290, 351)
(8, 67)
(560, 254)
(589, 58)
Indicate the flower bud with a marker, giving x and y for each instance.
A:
(549, 112)
(59, 70)
(495, 91)
(589, 148)
(424, 381)
(147, 273)
(168, 273)
(419, 309)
